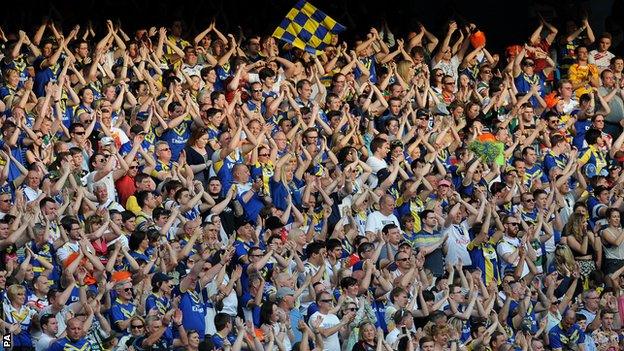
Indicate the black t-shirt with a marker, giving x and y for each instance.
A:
(160, 345)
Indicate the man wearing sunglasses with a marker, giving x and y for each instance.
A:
(526, 77)
(326, 323)
(511, 249)
(123, 308)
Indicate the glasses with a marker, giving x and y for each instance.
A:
(327, 300)
(513, 223)
(256, 91)
(529, 200)
(127, 289)
(134, 167)
(263, 155)
(79, 133)
(134, 326)
(529, 64)
(167, 149)
(404, 259)
(449, 83)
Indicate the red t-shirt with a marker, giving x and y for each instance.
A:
(125, 188)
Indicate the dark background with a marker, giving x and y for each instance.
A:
(504, 22)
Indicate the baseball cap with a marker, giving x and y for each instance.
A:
(160, 277)
(273, 222)
(283, 292)
(241, 222)
(444, 182)
(107, 141)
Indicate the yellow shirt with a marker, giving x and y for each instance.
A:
(132, 205)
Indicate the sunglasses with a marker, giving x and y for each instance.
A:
(134, 167)
(137, 326)
(127, 289)
(402, 259)
(327, 300)
(263, 155)
(79, 133)
(529, 64)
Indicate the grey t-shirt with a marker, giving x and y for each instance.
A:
(616, 104)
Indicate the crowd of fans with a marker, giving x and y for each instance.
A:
(215, 192)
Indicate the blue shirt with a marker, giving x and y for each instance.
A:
(194, 311)
(121, 312)
(65, 344)
(177, 137)
(524, 84)
(218, 341)
(565, 339)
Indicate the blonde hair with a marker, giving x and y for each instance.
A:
(574, 227)
(564, 259)
(13, 290)
(403, 69)
(439, 329)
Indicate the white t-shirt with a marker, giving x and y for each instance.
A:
(602, 60)
(107, 180)
(230, 303)
(376, 164)
(43, 343)
(377, 220)
(67, 249)
(458, 239)
(570, 106)
(332, 342)
(119, 136)
(509, 245)
(449, 68)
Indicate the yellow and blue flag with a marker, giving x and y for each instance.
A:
(307, 28)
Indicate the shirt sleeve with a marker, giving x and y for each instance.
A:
(117, 314)
(555, 340)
